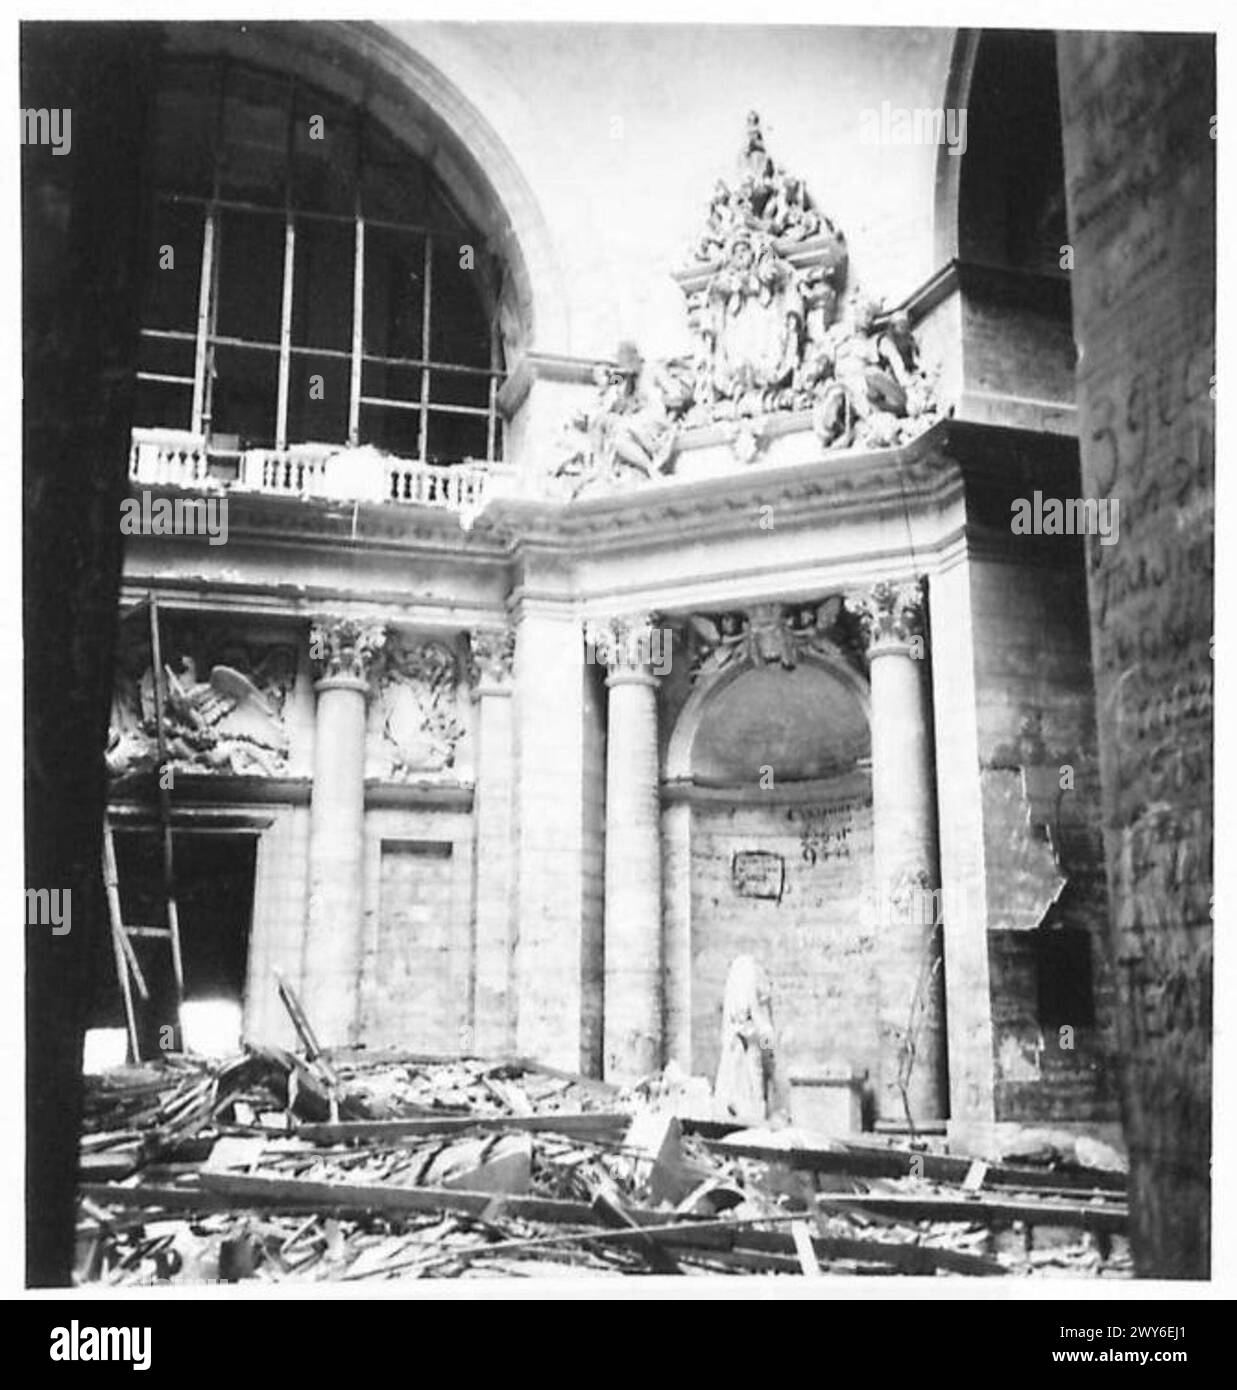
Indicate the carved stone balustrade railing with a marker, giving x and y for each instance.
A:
(178, 458)
(167, 458)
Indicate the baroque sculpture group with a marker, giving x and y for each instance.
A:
(776, 328)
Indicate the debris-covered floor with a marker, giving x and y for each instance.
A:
(375, 1166)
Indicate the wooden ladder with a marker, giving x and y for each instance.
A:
(128, 969)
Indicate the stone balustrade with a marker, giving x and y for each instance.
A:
(180, 459)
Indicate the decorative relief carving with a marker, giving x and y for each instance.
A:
(891, 613)
(764, 635)
(491, 655)
(345, 647)
(763, 292)
(224, 710)
(416, 710)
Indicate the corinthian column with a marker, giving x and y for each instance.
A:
(911, 1072)
(633, 964)
(343, 652)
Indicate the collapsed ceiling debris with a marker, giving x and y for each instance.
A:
(273, 1167)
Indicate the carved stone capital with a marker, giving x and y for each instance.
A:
(892, 614)
(491, 656)
(345, 648)
(629, 646)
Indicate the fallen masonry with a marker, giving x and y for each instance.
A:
(271, 1167)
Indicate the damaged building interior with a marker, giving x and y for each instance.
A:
(588, 780)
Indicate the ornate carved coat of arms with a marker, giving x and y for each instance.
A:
(775, 327)
(415, 710)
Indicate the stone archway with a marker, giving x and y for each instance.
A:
(767, 851)
(366, 64)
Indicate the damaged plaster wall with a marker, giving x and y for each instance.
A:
(1042, 847)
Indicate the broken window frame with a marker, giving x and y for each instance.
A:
(207, 340)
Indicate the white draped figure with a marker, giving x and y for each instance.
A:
(745, 1084)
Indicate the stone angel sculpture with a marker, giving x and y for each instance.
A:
(718, 643)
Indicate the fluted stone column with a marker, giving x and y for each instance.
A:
(492, 650)
(633, 957)
(343, 651)
(909, 962)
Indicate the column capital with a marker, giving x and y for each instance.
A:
(891, 612)
(629, 646)
(491, 658)
(343, 651)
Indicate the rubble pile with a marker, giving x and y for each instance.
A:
(274, 1167)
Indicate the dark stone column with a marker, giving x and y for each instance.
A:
(84, 221)
(1137, 116)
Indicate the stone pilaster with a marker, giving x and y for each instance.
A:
(492, 652)
(908, 938)
(553, 926)
(343, 651)
(633, 956)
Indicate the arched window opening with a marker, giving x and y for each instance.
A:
(1012, 192)
(312, 282)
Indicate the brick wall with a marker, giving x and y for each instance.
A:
(816, 943)
(416, 980)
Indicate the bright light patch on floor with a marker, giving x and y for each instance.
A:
(211, 1027)
(104, 1048)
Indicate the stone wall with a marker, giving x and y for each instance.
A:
(816, 940)
(1139, 129)
(1042, 847)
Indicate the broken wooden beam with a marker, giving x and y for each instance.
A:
(335, 1198)
(1111, 1217)
(599, 1125)
(864, 1162)
(235, 1192)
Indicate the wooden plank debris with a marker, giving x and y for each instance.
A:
(860, 1161)
(390, 1166)
(594, 1126)
(1108, 1217)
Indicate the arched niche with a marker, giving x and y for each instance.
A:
(807, 723)
(779, 869)
(1002, 201)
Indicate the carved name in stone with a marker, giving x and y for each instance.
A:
(758, 873)
(825, 831)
